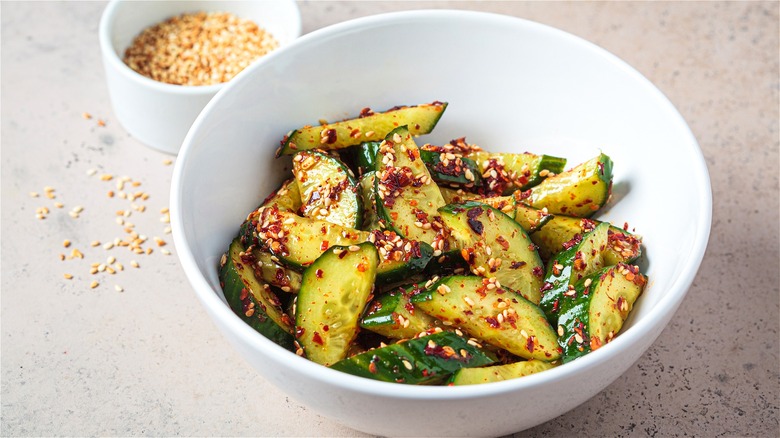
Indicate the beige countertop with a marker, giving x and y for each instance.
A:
(147, 361)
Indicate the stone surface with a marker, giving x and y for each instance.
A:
(147, 361)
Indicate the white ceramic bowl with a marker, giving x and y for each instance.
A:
(159, 114)
(512, 85)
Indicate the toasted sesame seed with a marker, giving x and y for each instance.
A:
(134, 264)
(118, 288)
(93, 285)
(560, 330)
(67, 276)
(66, 243)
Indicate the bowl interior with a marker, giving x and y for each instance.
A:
(511, 85)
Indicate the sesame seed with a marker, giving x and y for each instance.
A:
(67, 276)
(118, 288)
(66, 243)
(134, 264)
(93, 285)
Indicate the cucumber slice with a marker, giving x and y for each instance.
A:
(268, 268)
(491, 313)
(578, 192)
(252, 300)
(328, 189)
(505, 173)
(400, 258)
(451, 169)
(497, 373)
(394, 316)
(624, 247)
(370, 126)
(594, 313)
(287, 197)
(362, 157)
(407, 199)
(367, 194)
(333, 295)
(583, 256)
(298, 241)
(456, 196)
(495, 246)
(420, 361)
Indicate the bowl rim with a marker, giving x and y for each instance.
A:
(665, 307)
(107, 20)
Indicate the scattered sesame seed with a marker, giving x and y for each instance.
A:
(134, 264)
(93, 285)
(67, 276)
(118, 288)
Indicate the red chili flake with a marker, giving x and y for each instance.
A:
(330, 136)
(372, 367)
(444, 352)
(409, 307)
(365, 112)
(538, 271)
(517, 264)
(530, 344)
(324, 245)
(474, 224)
(503, 242)
(493, 322)
(556, 305)
(361, 267)
(299, 331)
(343, 254)
(317, 339)
(318, 273)
(545, 287)
(573, 241)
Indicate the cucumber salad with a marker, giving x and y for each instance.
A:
(402, 261)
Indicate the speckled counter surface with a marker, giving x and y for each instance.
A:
(147, 360)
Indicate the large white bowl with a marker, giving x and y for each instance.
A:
(512, 85)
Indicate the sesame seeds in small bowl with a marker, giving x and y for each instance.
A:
(165, 60)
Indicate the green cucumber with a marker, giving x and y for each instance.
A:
(497, 373)
(595, 312)
(450, 169)
(370, 126)
(362, 157)
(578, 192)
(328, 189)
(494, 314)
(334, 292)
(394, 316)
(456, 196)
(583, 255)
(400, 258)
(504, 173)
(287, 197)
(252, 300)
(298, 241)
(495, 246)
(367, 194)
(407, 198)
(421, 361)
(624, 247)
(268, 268)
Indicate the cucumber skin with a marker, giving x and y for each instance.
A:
(429, 365)
(497, 373)
(575, 314)
(232, 286)
(309, 137)
(556, 285)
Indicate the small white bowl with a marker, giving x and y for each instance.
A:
(160, 114)
(512, 85)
